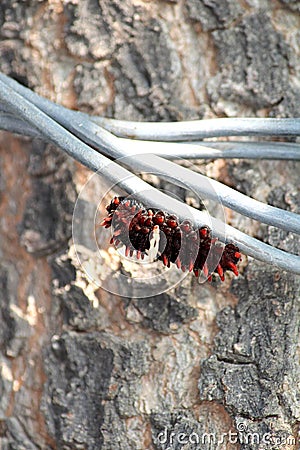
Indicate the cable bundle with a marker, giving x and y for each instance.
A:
(104, 145)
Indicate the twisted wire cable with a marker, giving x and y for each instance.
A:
(79, 136)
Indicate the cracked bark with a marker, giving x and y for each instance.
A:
(85, 369)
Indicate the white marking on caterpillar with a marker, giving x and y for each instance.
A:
(154, 244)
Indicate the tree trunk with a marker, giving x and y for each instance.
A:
(208, 366)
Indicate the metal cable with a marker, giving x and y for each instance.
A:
(200, 129)
(81, 125)
(184, 150)
(188, 150)
(51, 130)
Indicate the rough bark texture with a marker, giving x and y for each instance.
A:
(85, 369)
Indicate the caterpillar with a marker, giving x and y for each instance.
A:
(156, 233)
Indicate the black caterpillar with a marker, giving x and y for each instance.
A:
(154, 232)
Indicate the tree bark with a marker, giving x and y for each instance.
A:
(211, 366)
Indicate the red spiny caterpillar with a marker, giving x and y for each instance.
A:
(192, 249)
